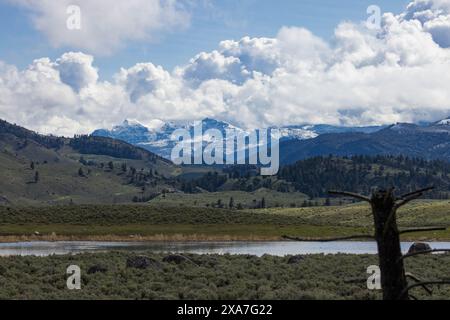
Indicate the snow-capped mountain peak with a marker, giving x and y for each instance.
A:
(444, 122)
(131, 123)
(294, 133)
(130, 131)
(160, 142)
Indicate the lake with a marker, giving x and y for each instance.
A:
(276, 248)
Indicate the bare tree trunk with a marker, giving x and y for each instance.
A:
(384, 205)
(393, 278)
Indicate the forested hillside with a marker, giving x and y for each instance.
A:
(45, 170)
(38, 169)
(315, 176)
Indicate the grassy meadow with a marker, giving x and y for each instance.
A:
(240, 198)
(336, 277)
(164, 222)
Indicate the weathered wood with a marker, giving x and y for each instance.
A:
(422, 230)
(350, 194)
(416, 279)
(413, 254)
(416, 192)
(359, 236)
(393, 278)
(384, 205)
(424, 283)
(387, 235)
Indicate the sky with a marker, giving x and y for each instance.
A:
(250, 62)
(210, 23)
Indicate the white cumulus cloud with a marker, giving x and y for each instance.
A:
(76, 70)
(105, 25)
(398, 73)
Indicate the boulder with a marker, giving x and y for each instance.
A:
(419, 247)
(4, 200)
(142, 262)
(295, 259)
(96, 269)
(175, 258)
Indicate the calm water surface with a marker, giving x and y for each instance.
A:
(280, 248)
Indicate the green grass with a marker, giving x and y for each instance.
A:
(331, 277)
(142, 214)
(59, 182)
(155, 220)
(245, 199)
(417, 214)
(174, 231)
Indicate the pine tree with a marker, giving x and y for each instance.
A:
(231, 204)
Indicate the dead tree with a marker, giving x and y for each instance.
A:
(384, 205)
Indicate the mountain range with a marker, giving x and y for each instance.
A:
(431, 141)
(36, 169)
(159, 140)
(428, 141)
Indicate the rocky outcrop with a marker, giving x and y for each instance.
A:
(295, 259)
(142, 262)
(97, 269)
(174, 258)
(419, 247)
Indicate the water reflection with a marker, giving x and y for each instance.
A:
(280, 248)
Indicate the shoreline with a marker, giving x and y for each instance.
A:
(173, 238)
(135, 238)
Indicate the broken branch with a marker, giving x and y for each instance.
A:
(413, 277)
(361, 236)
(424, 283)
(423, 230)
(408, 200)
(350, 194)
(416, 192)
(412, 254)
